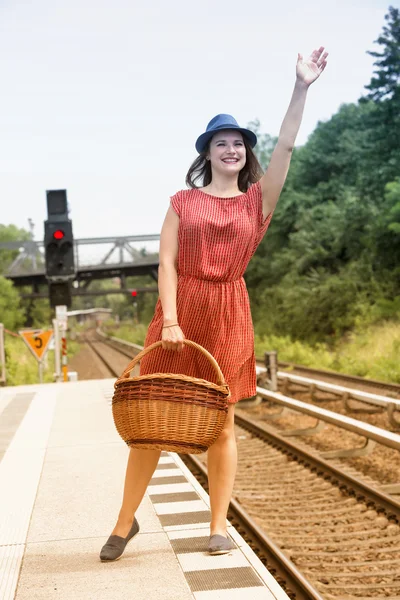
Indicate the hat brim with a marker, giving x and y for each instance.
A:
(204, 138)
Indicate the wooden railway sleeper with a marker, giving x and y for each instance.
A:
(249, 402)
(366, 449)
(275, 415)
(393, 419)
(319, 426)
(346, 397)
(313, 392)
(390, 488)
(285, 386)
(313, 389)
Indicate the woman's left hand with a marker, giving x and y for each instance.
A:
(309, 70)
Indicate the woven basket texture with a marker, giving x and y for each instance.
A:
(169, 411)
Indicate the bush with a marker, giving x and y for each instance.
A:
(371, 352)
(129, 332)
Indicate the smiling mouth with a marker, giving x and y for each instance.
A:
(230, 160)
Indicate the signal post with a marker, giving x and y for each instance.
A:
(60, 265)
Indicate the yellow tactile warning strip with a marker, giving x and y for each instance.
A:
(182, 506)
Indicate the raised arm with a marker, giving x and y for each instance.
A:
(274, 178)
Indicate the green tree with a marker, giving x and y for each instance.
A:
(10, 233)
(383, 123)
(385, 84)
(385, 230)
(11, 314)
(331, 259)
(265, 143)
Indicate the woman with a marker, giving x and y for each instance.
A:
(207, 239)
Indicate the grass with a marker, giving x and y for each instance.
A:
(373, 352)
(21, 366)
(129, 332)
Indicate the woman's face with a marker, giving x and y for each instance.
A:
(227, 152)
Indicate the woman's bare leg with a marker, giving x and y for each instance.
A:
(221, 464)
(140, 468)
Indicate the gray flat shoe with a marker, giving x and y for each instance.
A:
(219, 544)
(115, 545)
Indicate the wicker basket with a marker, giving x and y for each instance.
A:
(169, 411)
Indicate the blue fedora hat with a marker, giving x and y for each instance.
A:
(223, 122)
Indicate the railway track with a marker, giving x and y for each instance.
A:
(367, 406)
(341, 534)
(331, 534)
(391, 390)
(112, 359)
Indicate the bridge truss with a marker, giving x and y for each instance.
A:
(95, 258)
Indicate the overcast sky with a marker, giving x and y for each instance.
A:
(106, 99)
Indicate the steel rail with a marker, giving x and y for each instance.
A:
(379, 498)
(382, 436)
(366, 397)
(262, 544)
(101, 357)
(123, 343)
(395, 387)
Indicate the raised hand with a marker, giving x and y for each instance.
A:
(309, 70)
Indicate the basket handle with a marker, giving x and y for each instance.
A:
(136, 359)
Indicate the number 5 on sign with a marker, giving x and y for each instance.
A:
(38, 342)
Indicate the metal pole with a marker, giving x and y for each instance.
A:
(40, 371)
(271, 363)
(2, 354)
(64, 359)
(61, 316)
(135, 313)
(57, 350)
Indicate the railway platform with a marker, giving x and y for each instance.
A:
(62, 468)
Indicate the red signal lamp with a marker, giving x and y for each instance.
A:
(133, 293)
(58, 234)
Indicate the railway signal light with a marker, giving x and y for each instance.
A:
(58, 238)
(58, 234)
(59, 248)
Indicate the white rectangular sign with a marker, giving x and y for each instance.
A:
(62, 318)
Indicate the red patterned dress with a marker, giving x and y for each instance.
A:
(216, 239)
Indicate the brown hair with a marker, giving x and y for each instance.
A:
(200, 170)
